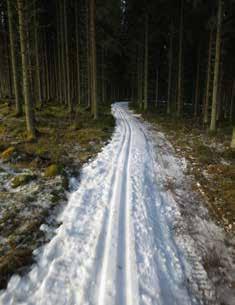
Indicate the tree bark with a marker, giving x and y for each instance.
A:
(77, 55)
(29, 111)
(157, 86)
(217, 66)
(179, 83)
(59, 57)
(232, 103)
(62, 47)
(37, 61)
(103, 81)
(197, 87)
(88, 55)
(208, 79)
(93, 59)
(9, 75)
(233, 139)
(146, 51)
(67, 61)
(16, 83)
(47, 77)
(140, 78)
(170, 69)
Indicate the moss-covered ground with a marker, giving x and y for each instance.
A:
(34, 175)
(57, 133)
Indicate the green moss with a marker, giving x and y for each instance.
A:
(7, 154)
(52, 170)
(2, 129)
(212, 134)
(84, 156)
(90, 134)
(41, 151)
(57, 134)
(21, 180)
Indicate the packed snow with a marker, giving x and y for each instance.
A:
(123, 238)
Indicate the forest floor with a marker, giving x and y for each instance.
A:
(36, 177)
(135, 232)
(212, 162)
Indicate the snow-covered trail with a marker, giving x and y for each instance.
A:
(115, 245)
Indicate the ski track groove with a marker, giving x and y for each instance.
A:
(116, 246)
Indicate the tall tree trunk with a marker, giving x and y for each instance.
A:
(140, 78)
(47, 77)
(226, 106)
(59, 57)
(157, 86)
(67, 61)
(63, 63)
(16, 83)
(8, 71)
(93, 59)
(146, 51)
(197, 87)
(43, 70)
(170, 69)
(55, 73)
(180, 61)
(135, 79)
(103, 77)
(77, 55)
(232, 102)
(217, 66)
(37, 61)
(219, 95)
(29, 111)
(208, 79)
(233, 139)
(88, 53)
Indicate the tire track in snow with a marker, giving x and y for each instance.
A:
(90, 289)
(116, 277)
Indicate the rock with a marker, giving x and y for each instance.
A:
(7, 154)
(21, 180)
(52, 171)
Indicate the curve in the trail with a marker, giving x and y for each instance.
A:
(115, 245)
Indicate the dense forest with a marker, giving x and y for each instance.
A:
(184, 61)
(54, 51)
(177, 57)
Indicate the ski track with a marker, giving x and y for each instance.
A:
(115, 245)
